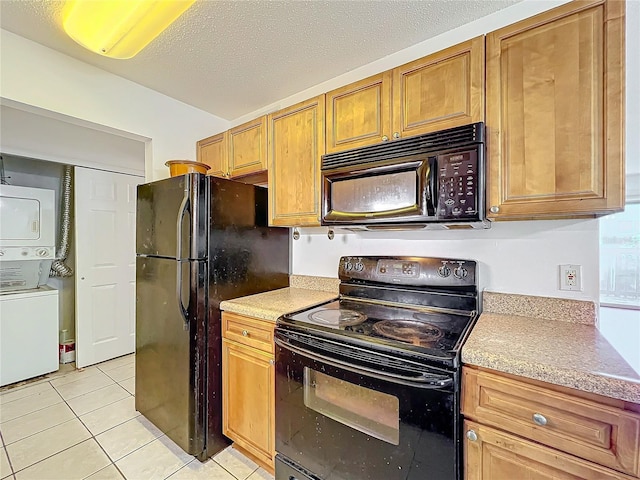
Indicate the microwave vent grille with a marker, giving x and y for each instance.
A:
(421, 144)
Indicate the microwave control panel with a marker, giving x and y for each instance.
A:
(458, 186)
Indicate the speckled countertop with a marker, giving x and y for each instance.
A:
(304, 292)
(557, 344)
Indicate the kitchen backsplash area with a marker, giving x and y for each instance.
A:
(514, 257)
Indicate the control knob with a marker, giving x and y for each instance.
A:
(359, 266)
(444, 271)
(460, 272)
(348, 266)
(42, 252)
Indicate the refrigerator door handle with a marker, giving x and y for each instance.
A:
(184, 205)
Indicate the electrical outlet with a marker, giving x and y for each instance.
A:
(570, 277)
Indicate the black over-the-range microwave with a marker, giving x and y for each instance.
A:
(436, 180)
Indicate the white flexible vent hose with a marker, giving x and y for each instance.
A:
(59, 268)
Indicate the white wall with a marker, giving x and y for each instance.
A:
(34, 133)
(514, 257)
(34, 75)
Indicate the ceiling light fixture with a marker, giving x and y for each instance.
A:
(119, 28)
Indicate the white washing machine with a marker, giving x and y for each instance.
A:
(28, 334)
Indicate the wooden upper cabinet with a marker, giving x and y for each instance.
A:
(359, 114)
(214, 152)
(442, 90)
(248, 147)
(296, 143)
(555, 115)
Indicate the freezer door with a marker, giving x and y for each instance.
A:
(171, 218)
(171, 348)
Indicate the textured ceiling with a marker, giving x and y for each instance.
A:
(230, 58)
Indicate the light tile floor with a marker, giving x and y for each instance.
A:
(79, 424)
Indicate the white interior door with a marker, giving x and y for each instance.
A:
(105, 220)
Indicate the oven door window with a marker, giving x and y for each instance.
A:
(376, 414)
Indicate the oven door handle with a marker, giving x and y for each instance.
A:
(424, 380)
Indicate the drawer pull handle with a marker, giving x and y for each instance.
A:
(472, 435)
(539, 419)
(245, 333)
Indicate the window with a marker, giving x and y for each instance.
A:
(620, 258)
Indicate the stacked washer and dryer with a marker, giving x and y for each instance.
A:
(28, 307)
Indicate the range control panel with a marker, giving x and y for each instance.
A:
(416, 271)
(458, 185)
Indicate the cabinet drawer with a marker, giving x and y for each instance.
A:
(491, 454)
(602, 434)
(248, 331)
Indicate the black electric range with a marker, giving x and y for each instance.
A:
(376, 371)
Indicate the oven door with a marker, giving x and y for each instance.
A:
(401, 191)
(341, 418)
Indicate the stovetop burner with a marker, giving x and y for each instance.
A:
(416, 333)
(337, 317)
(413, 307)
(401, 326)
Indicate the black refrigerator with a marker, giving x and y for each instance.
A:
(199, 240)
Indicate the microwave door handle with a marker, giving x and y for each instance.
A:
(424, 380)
(431, 187)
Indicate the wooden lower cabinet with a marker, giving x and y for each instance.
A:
(248, 398)
(490, 454)
(523, 429)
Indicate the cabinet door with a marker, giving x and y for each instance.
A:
(443, 90)
(490, 454)
(248, 399)
(213, 151)
(359, 114)
(248, 147)
(296, 143)
(555, 93)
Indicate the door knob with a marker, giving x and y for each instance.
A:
(245, 333)
(385, 138)
(494, 209)
(472, 435)
(396, 135)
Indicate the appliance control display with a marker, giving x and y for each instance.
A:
(457, 185)
(398, 268)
